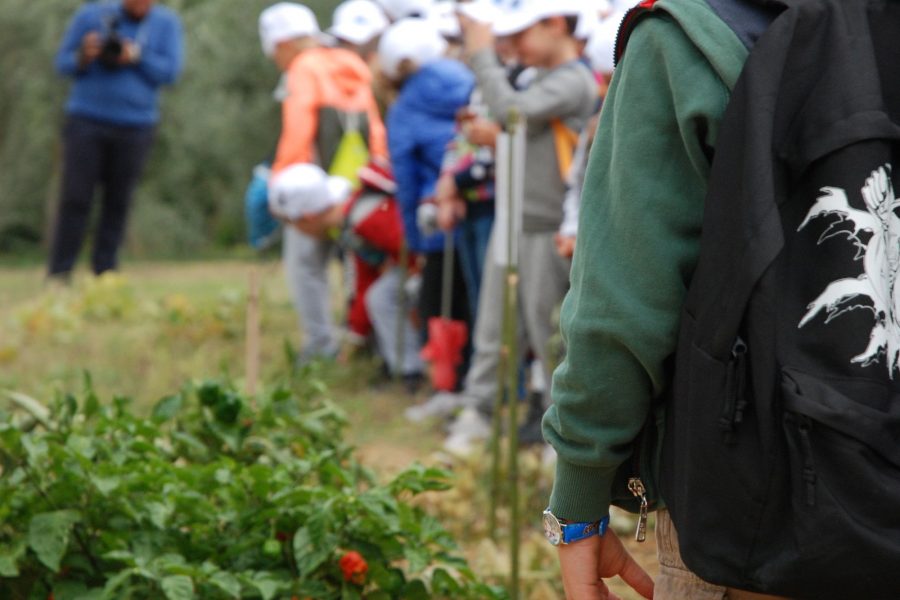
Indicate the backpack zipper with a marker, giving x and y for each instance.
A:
(636, 487)
(735, 399)
(809, 467)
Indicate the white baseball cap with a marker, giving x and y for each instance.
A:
(590, 17)
(415, 39)
(401, 9)
(526, 13)
(443, 15)
(305, 189)
(601, 45)
(484, 11)
(285, 21)
(358, 21)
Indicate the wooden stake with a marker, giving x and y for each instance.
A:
(252, 357)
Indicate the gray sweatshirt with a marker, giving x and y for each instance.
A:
(567, 92)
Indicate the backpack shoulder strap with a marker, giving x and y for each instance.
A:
(748, 19)
(629, 21)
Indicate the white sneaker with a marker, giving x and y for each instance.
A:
(467, 432)
(442, 404)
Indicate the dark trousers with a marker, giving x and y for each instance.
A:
(95, 154)
(430, 302)
(432, 285)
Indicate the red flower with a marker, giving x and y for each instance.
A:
(354, 567)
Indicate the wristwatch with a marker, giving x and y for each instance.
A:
(559, 531)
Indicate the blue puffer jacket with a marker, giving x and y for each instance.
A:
(420, 124)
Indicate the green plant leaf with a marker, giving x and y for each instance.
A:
(48, 536)
(32, 406)
(309, 553)
(94, 594)
(443, 584)
(415, 590)
(74, 590)
(110, 590)
(226, 582)
(91, 402)
(9, 559)
(265, 584)
(105, 485)
(159, 513)
(209, 392)
(81, 445)
(178, 587)
(417, 557)
(36, 448)
(167, 408)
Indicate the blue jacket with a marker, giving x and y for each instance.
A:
(420, 124)
(126, 95)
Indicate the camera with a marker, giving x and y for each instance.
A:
(112, 47)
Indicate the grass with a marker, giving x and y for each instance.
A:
(164, 323)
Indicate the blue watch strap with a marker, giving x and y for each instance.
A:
(574, 532)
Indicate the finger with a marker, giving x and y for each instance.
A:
(578, 564)
(637, 578)
(605, 592)
(615, 560)
(585, 591)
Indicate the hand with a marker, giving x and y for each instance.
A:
(586, 563)
(481, 131)
(450, 213)
(445, 190)
(476, 35)
(131, 53)
(565, 245)
(90, 48)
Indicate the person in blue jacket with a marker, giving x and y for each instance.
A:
(118, 54)
(420, 124)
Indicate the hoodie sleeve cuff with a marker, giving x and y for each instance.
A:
(580, 494)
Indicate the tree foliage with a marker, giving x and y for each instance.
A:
(217, 122)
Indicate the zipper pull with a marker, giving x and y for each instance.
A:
(636, 487)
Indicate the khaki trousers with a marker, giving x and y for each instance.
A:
(677, 582)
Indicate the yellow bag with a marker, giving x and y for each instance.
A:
(565, 140)
(352, 153)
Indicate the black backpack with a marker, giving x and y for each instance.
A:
(781, 457)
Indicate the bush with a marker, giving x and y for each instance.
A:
(212, 496)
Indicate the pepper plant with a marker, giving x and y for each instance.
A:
(212, 496)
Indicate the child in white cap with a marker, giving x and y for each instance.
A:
(358, 25)
(420, 124)
(559, 99)
(328, 92)
(306, 195)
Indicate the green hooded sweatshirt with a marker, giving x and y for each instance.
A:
(638, 243)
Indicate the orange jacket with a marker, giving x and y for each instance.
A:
(325, 78)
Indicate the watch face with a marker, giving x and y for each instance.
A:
(552, 529)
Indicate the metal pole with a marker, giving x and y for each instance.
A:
(511, 347)
(498, 247)
(401, 313)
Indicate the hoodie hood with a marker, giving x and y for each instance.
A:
(439, 88)
(343, 78)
